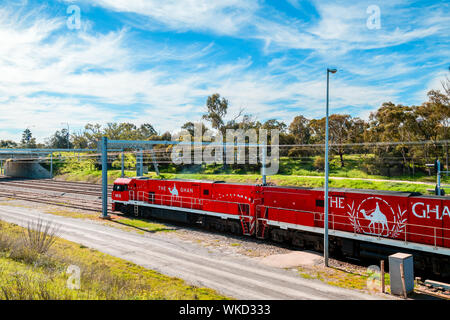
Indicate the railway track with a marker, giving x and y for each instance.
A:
(60, 202)
(8, 190)
(51, 185)
(56, 203)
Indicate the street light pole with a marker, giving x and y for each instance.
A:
(325, 223)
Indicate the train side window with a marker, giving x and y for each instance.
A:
(151, 197)
(320, 203)
(243, 208)
(206, 192)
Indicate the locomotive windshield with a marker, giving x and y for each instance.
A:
(120, 187)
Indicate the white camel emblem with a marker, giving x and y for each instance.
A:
(174, 191)
(376, 216)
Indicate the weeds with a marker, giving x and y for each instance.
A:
(39, 236)
(5, 241)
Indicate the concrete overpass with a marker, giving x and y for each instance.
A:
(32, 163)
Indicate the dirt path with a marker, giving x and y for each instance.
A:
(236, 276)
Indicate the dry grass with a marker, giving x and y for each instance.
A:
(39, 236)
(34, 265)
(32, 244)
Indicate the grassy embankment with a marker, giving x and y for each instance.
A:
(281, 180)
(29, 272)
(292, 173)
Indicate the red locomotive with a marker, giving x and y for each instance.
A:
(362, 223)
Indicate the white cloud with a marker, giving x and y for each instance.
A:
(222, 17)
(341, 27)
(51, 75)
(44, 115)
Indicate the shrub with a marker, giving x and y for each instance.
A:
(129, 161)
(39, 236)
(319, 163)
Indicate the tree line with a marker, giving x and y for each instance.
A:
(381, 141)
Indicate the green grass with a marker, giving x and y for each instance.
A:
(45, 276)
(93, 176)
(143, 224)
(352, 169)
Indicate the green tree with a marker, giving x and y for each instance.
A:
(340, 128)
(59, 140)
(8, 144)
(392, 123)
(190, 127)
(27, 140)
(216, 110)
(299, 128)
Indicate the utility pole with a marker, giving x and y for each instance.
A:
(264, 151)
(438, 186)
(122, 175)
(325, 223)
(104, 177)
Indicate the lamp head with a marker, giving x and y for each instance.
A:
(332, 70)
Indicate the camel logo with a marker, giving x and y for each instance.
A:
(375, 216)
(174, 191)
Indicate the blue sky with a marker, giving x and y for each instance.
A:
(157, 61)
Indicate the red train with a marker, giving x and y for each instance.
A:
(362, 223)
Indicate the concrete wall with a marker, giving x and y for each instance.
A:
(26, 169)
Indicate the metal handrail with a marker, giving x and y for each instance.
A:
(185, 197)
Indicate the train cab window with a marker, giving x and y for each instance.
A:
(206, 192)
(243, 208)
(320, 203)
(151, 197)
(120, 187)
